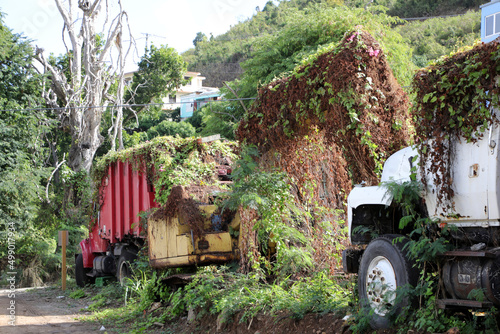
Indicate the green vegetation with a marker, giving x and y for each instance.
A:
(169, 161)
(303, 34)
(456, 95)
(160, 72)
(278, 276)
(22, 162)
(434, 38)
(219, 58)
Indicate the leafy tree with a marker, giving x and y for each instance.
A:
(308, 30)
(214, 119)
(200, 37)
(21, 130)
(219, 58)
(22, 153)
(168, 128)
(148, 120)
(196, 120)
(161, 70)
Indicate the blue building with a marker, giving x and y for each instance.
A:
(192, 102)
(490, 21)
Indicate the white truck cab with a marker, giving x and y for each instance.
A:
(379, 256)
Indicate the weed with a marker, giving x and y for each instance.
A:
(218, 291)
(77, 294)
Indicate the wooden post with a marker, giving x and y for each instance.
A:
(63, 239)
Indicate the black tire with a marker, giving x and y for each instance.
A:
(384, 268)
(81, 277)
(123, 269)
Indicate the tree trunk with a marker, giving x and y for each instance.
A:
(84, 144)
(83, 95)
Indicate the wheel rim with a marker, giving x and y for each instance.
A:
(124, 272)
(381, 285)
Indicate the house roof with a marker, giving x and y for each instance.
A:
(204, 92)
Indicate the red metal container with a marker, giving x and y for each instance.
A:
(125, 193)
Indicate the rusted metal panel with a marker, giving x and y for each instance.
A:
(217, 242)
(191, 260)
(485, 254)
(168, 248)
(184, 244)
(171, 262)
(157, 234)
(214, 258)
(171, 238)
(446, 303)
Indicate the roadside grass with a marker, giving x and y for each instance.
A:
(145, 304)
(219, 292)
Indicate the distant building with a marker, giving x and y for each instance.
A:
(490, 21)
(188, 97)
(190, 103)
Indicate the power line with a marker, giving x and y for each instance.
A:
(130, 105)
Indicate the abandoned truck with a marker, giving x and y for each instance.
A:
(381, 260)
(186, 227)
(384, 265)
(457, 163)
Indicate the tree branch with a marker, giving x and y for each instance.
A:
(232, 91)
(50, 178)
(111, 39)
(225, 113)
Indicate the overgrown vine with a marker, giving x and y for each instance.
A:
(455, 97)
(171, 161)
(329, 125)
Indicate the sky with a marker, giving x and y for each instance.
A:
(171, 22)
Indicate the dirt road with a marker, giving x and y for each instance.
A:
(42, 310)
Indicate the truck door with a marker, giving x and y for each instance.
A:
(470, 167)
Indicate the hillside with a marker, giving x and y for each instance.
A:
(219, 58)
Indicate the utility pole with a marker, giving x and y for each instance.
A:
(147, 37)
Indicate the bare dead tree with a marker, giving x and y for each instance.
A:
(85, 96)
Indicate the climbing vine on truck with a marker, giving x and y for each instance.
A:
(455, 97)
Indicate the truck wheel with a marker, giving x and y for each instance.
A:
(384, 268)
(81, 277)
(124, 270)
